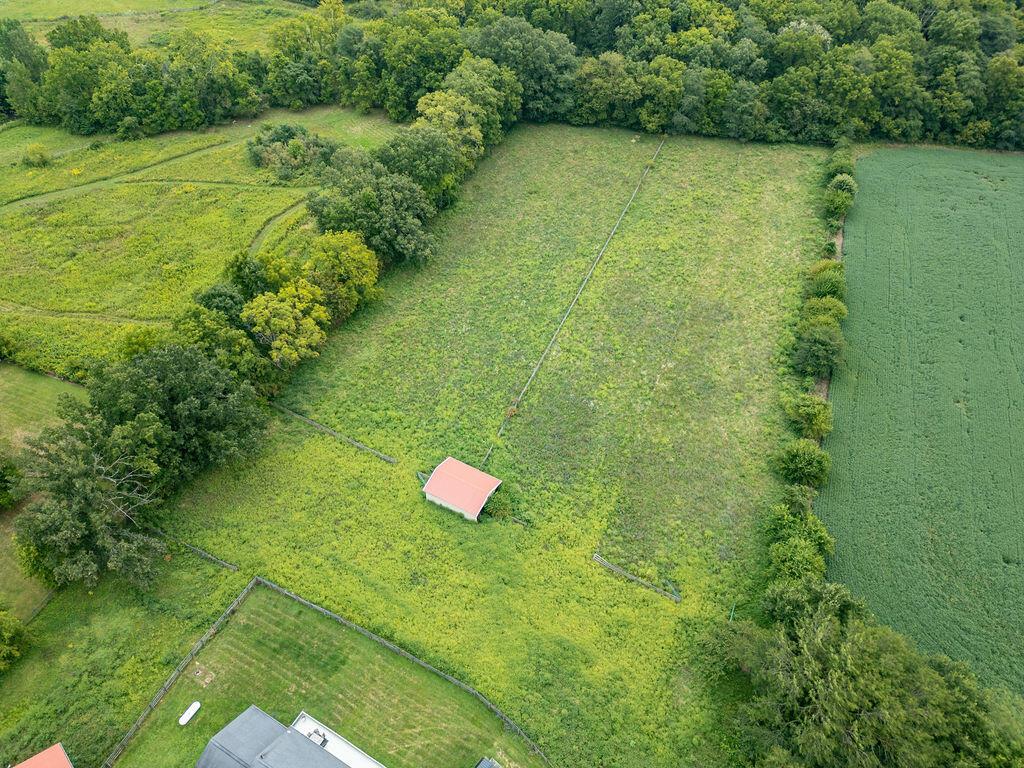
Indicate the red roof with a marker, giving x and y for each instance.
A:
(53, 757)
(461, 487)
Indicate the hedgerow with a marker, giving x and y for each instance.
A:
(823, 665)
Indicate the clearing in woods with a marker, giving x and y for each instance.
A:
(286, 658)
(926, 489)
(115, 236)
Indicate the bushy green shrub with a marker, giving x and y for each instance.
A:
(388, 209)
(796, 518)
(428, 156)
(36, 156)
(129, 129)
(290, 151)
(809, 414)
(843, 182)
(345, 270)
(803, 462)
(12, 638)
(829, 282)
(841, 160)
(837, 203)
(795, 558)
(9, 476)
(828, 306)
(819, 347)
(225, 298)
(825, 265)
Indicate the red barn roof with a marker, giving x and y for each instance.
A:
(460, 487)
(53, 757)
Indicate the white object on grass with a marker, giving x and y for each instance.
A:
(188, 713)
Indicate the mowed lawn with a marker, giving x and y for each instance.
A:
(598, 670)
(115, 236)
(286, 658)
(925, 497)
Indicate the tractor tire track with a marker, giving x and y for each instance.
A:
(106, 181)
(269, 224)
(13, 307)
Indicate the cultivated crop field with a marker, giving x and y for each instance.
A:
(286, 658)
(112, 236)
(243, 23)
(925, 495)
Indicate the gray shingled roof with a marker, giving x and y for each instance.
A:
(256, 740)
(240, 742)
(293, 750)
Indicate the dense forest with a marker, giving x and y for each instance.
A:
(810, 71)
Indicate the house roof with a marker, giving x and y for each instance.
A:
(51, 757)
(239, 743)
(293, 750)
(254, 739)
(456, 484)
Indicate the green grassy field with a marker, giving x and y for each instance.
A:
(924, 500)
(97, 657)
(113, 236)
(599, 670)
(28, 402)
(21, 595)
(242, 23)
(286, 658)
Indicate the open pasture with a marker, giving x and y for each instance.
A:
(113, 236)
(925, 495)
(286, 658)
(98, 655)
(241, 23)
(599, 670)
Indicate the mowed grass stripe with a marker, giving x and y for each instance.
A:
(927, 486)
(284, 658)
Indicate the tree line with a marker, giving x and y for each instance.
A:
(830, 687)
(816, 70)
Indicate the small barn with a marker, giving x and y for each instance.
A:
(459, 487)
(51, 757)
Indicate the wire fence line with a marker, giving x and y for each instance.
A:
(334, 433)
(509, 723)
(173, 678)
(259, 581)
(575, 299)
(673, 596)
(201, 552)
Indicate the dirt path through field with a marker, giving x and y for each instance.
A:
(269, 224)
(106, 181)
(24, 309)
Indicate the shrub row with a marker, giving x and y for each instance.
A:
(829, 685)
